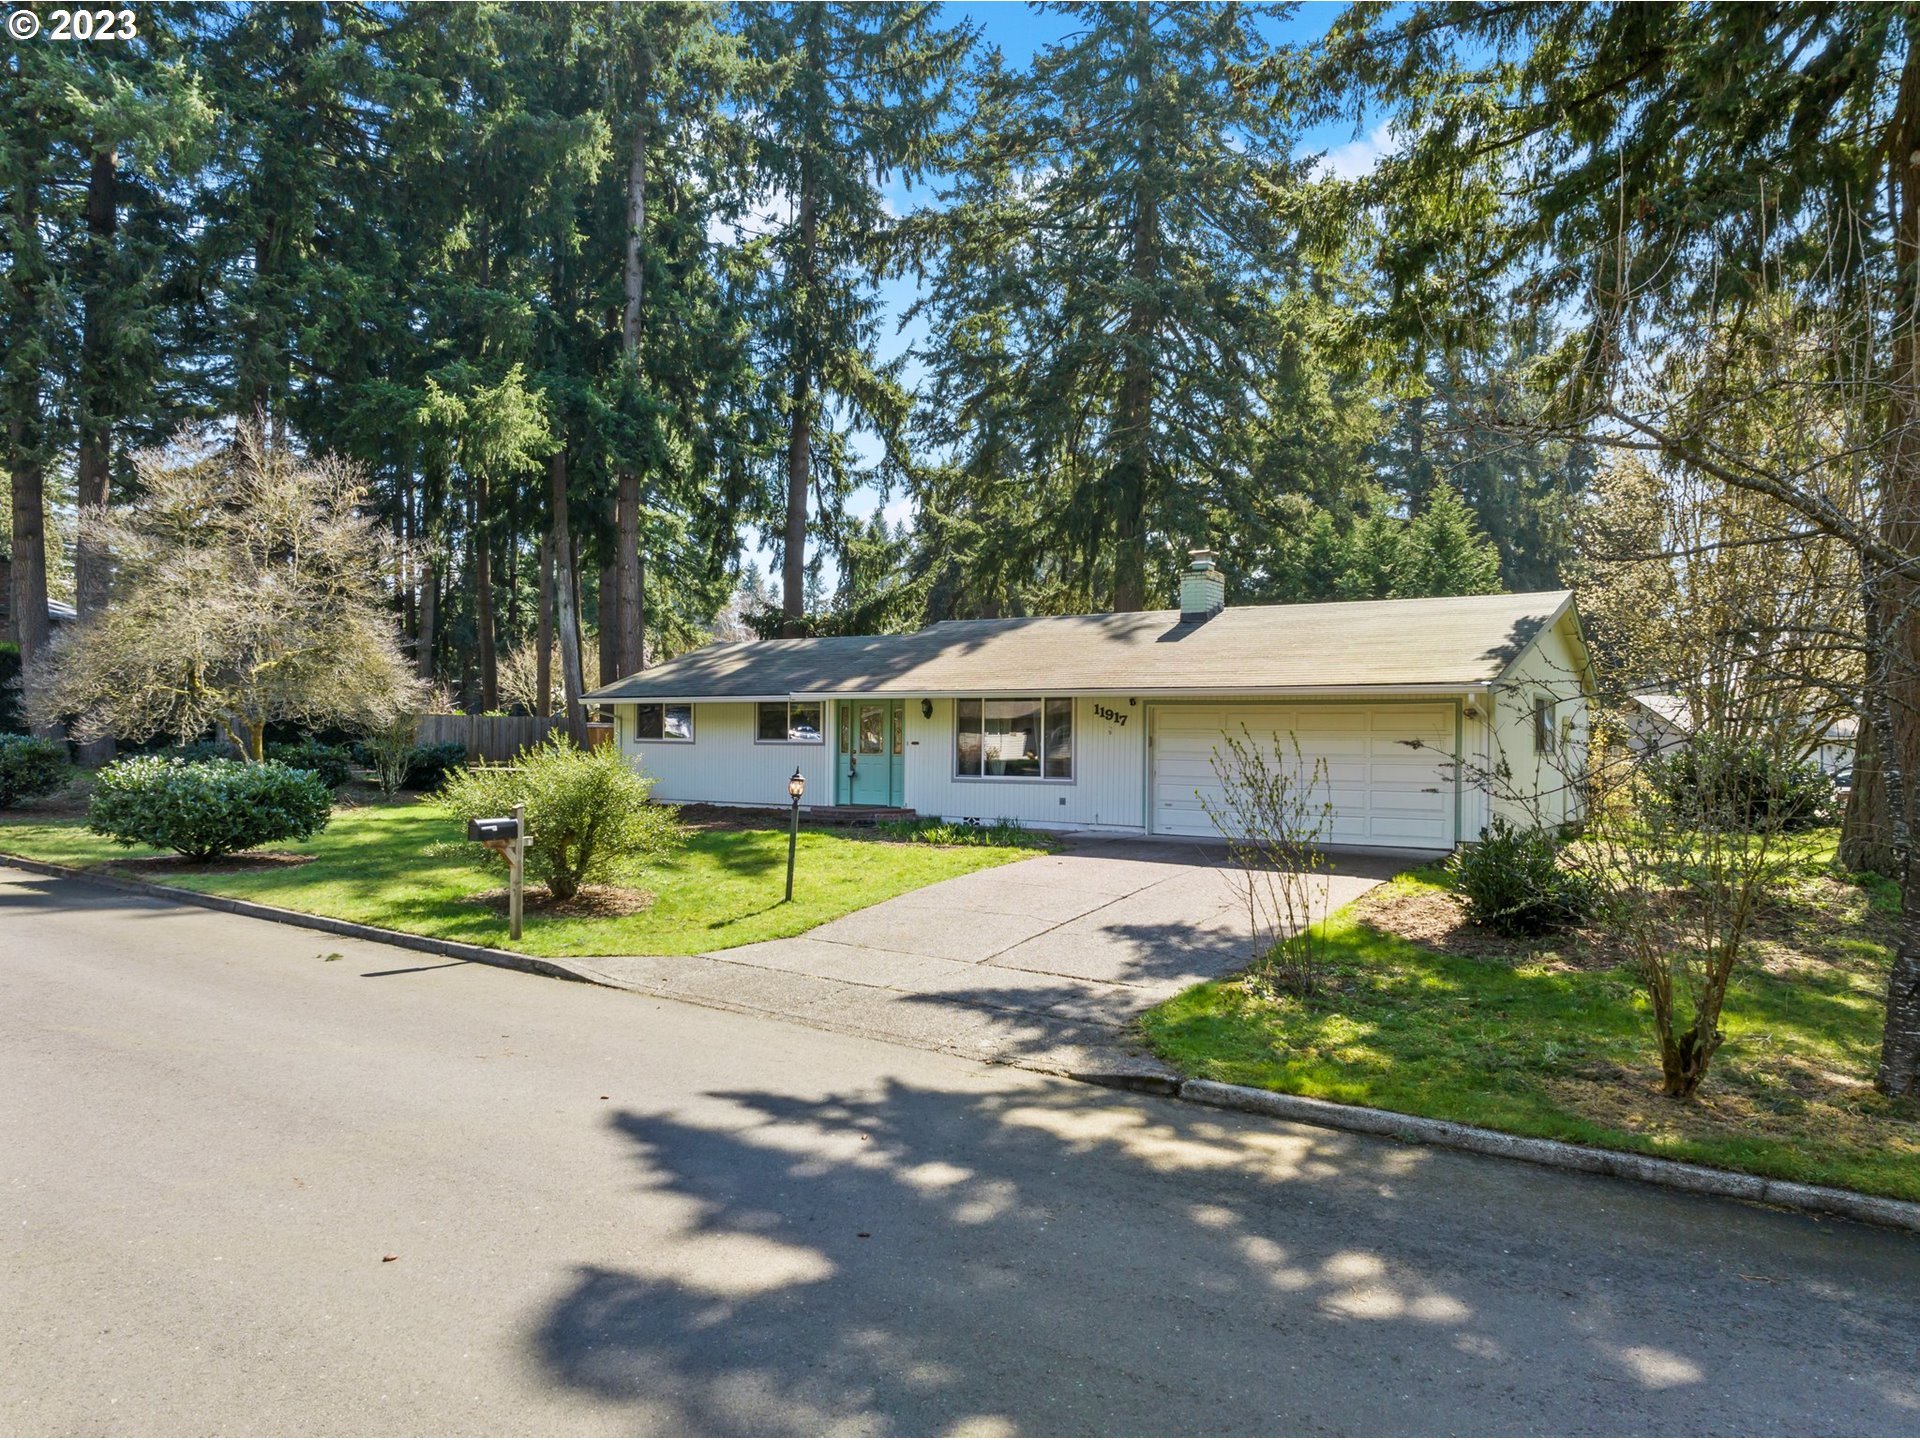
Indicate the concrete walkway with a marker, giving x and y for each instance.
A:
(1043, 963)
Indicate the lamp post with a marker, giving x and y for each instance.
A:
(796, 787)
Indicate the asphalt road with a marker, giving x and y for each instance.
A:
(618, 1214)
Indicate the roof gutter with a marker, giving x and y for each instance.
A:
(1433, 689)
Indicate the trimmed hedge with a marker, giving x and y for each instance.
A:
(206, 809)
(30, 767)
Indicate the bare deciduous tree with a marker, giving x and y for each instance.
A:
(249, 591)
(1275, 811)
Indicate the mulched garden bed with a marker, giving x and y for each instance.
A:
(590, 902)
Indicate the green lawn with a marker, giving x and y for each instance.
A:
(387, 865)
(1536, 1045)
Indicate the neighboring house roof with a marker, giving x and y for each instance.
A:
(1452, 641)
(59, 610)
(1671, 710)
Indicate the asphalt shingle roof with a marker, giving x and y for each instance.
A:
(1459, 640)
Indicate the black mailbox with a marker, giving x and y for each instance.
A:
(503, 828)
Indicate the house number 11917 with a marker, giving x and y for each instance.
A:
(1101, 712)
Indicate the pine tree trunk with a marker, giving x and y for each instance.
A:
(1866, 827)
(1133, 457)
(610, 623)
(424, 639)
(1900, 629)
(543, 633)
(629, 608)
(93, 468)
(253, 360)
(793, 556)
(27, 582)
(565, 601)
(629, 600)
(483, 597)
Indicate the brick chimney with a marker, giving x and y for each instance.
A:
(1203, 589)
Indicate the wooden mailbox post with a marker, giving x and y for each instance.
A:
(507, 838)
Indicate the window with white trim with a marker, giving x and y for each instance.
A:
(663, 722)
(788, 722)
(1545, 730)
(1022, 739)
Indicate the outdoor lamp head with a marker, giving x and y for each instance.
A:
(797, 786)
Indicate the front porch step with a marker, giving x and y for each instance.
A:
(860, 814)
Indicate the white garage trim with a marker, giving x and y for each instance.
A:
(1392, 769)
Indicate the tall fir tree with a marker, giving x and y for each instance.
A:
(851, 96)
(1108, 306)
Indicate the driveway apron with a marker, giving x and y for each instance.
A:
(1043, 963)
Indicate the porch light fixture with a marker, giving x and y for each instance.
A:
(796, 787)
(926, 709)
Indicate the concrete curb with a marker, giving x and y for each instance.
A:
(1301, 1109)
(1446, 1134)
(353, 930)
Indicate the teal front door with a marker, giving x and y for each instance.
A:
(871, 751)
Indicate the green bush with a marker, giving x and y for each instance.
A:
(588, 815)
(332, 763)
(206, 809)
(388, 753)
(1712, 783)
(417, 767)
(429, 765)
(930, 830)
(1511, 882)
(196, 751)
(30, 767)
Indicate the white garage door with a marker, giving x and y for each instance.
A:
(1389, 767)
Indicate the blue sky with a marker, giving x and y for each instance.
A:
(1021, 30)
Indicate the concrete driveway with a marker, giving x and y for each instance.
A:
(1043, 963)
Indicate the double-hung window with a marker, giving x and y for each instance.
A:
(663, 722)
(788, 722)
(1026, 739)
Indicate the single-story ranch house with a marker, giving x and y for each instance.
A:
(1110, 722)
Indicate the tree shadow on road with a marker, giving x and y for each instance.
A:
(1054, 1260)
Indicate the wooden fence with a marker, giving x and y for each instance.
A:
(496, 739)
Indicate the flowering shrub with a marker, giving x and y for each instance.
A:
(206, 809)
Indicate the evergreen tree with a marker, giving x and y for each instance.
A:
(1375, 550)
(851, 94)
(94, 269)
(1107, 311)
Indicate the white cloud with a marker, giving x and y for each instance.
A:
(1358, 156)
